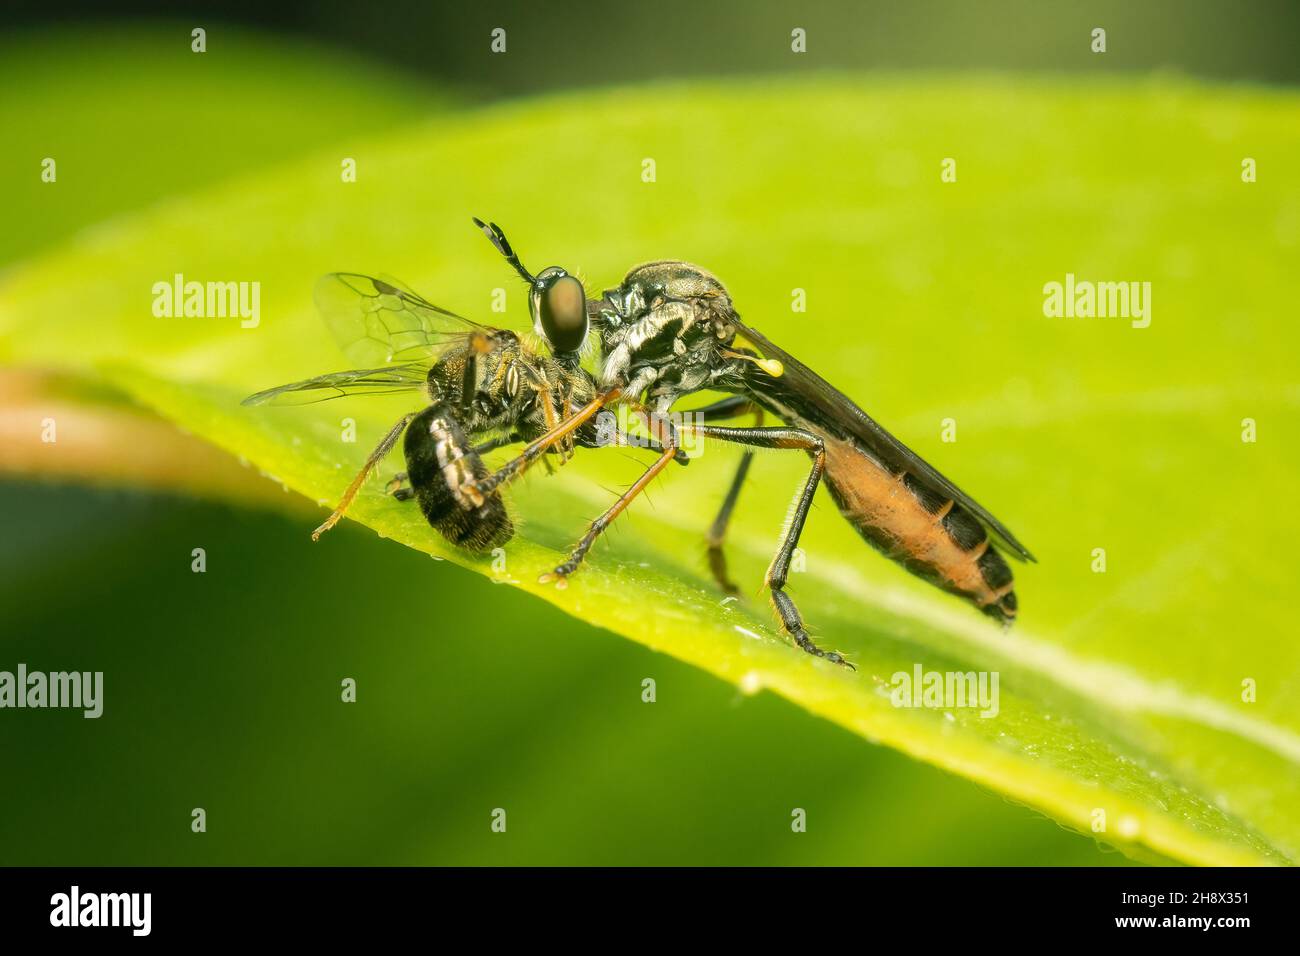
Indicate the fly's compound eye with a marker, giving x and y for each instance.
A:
(561, 310)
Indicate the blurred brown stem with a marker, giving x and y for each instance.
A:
(100, 438)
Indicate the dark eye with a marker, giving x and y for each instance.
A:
(562, 312)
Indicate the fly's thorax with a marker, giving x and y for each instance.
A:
(488, 380)
(668, 319)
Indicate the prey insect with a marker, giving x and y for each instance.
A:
(483, 388)
(671, 329)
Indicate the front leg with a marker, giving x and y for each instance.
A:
(668, 442)
(535, 449)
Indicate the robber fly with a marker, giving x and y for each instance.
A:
(484, 388)
(671, 330)
(668, 331)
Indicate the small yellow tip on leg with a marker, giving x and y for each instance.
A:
(330, 522)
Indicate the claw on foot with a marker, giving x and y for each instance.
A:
(561, 580)
(806, 644)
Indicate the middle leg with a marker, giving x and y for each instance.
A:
(668, 443)
(381, 451)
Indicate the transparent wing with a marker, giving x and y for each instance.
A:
(367, 381)
(377, 321)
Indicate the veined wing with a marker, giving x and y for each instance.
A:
(372, 381)
(378, 322)
(814, 394)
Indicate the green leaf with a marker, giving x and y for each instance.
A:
(1121, 693)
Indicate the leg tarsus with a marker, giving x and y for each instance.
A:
(718, 568)
(398, 488)
(381, 450)
(792, 623)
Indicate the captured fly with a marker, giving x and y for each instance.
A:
(670, 329)
(483, 388)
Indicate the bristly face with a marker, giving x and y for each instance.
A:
(443, 467)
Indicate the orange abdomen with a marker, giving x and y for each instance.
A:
(933, 537)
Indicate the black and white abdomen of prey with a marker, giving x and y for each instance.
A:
(443, 467)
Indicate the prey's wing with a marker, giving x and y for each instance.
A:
(814, 393)
(378, 322)
(365, 381)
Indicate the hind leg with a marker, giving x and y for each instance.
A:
(777, 572)
(381, 450)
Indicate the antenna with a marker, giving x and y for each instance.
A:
(493, 232)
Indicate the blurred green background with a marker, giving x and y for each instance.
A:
(223, 692)
(223, 688)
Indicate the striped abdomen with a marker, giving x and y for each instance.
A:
(441, 466)
(933, 537)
